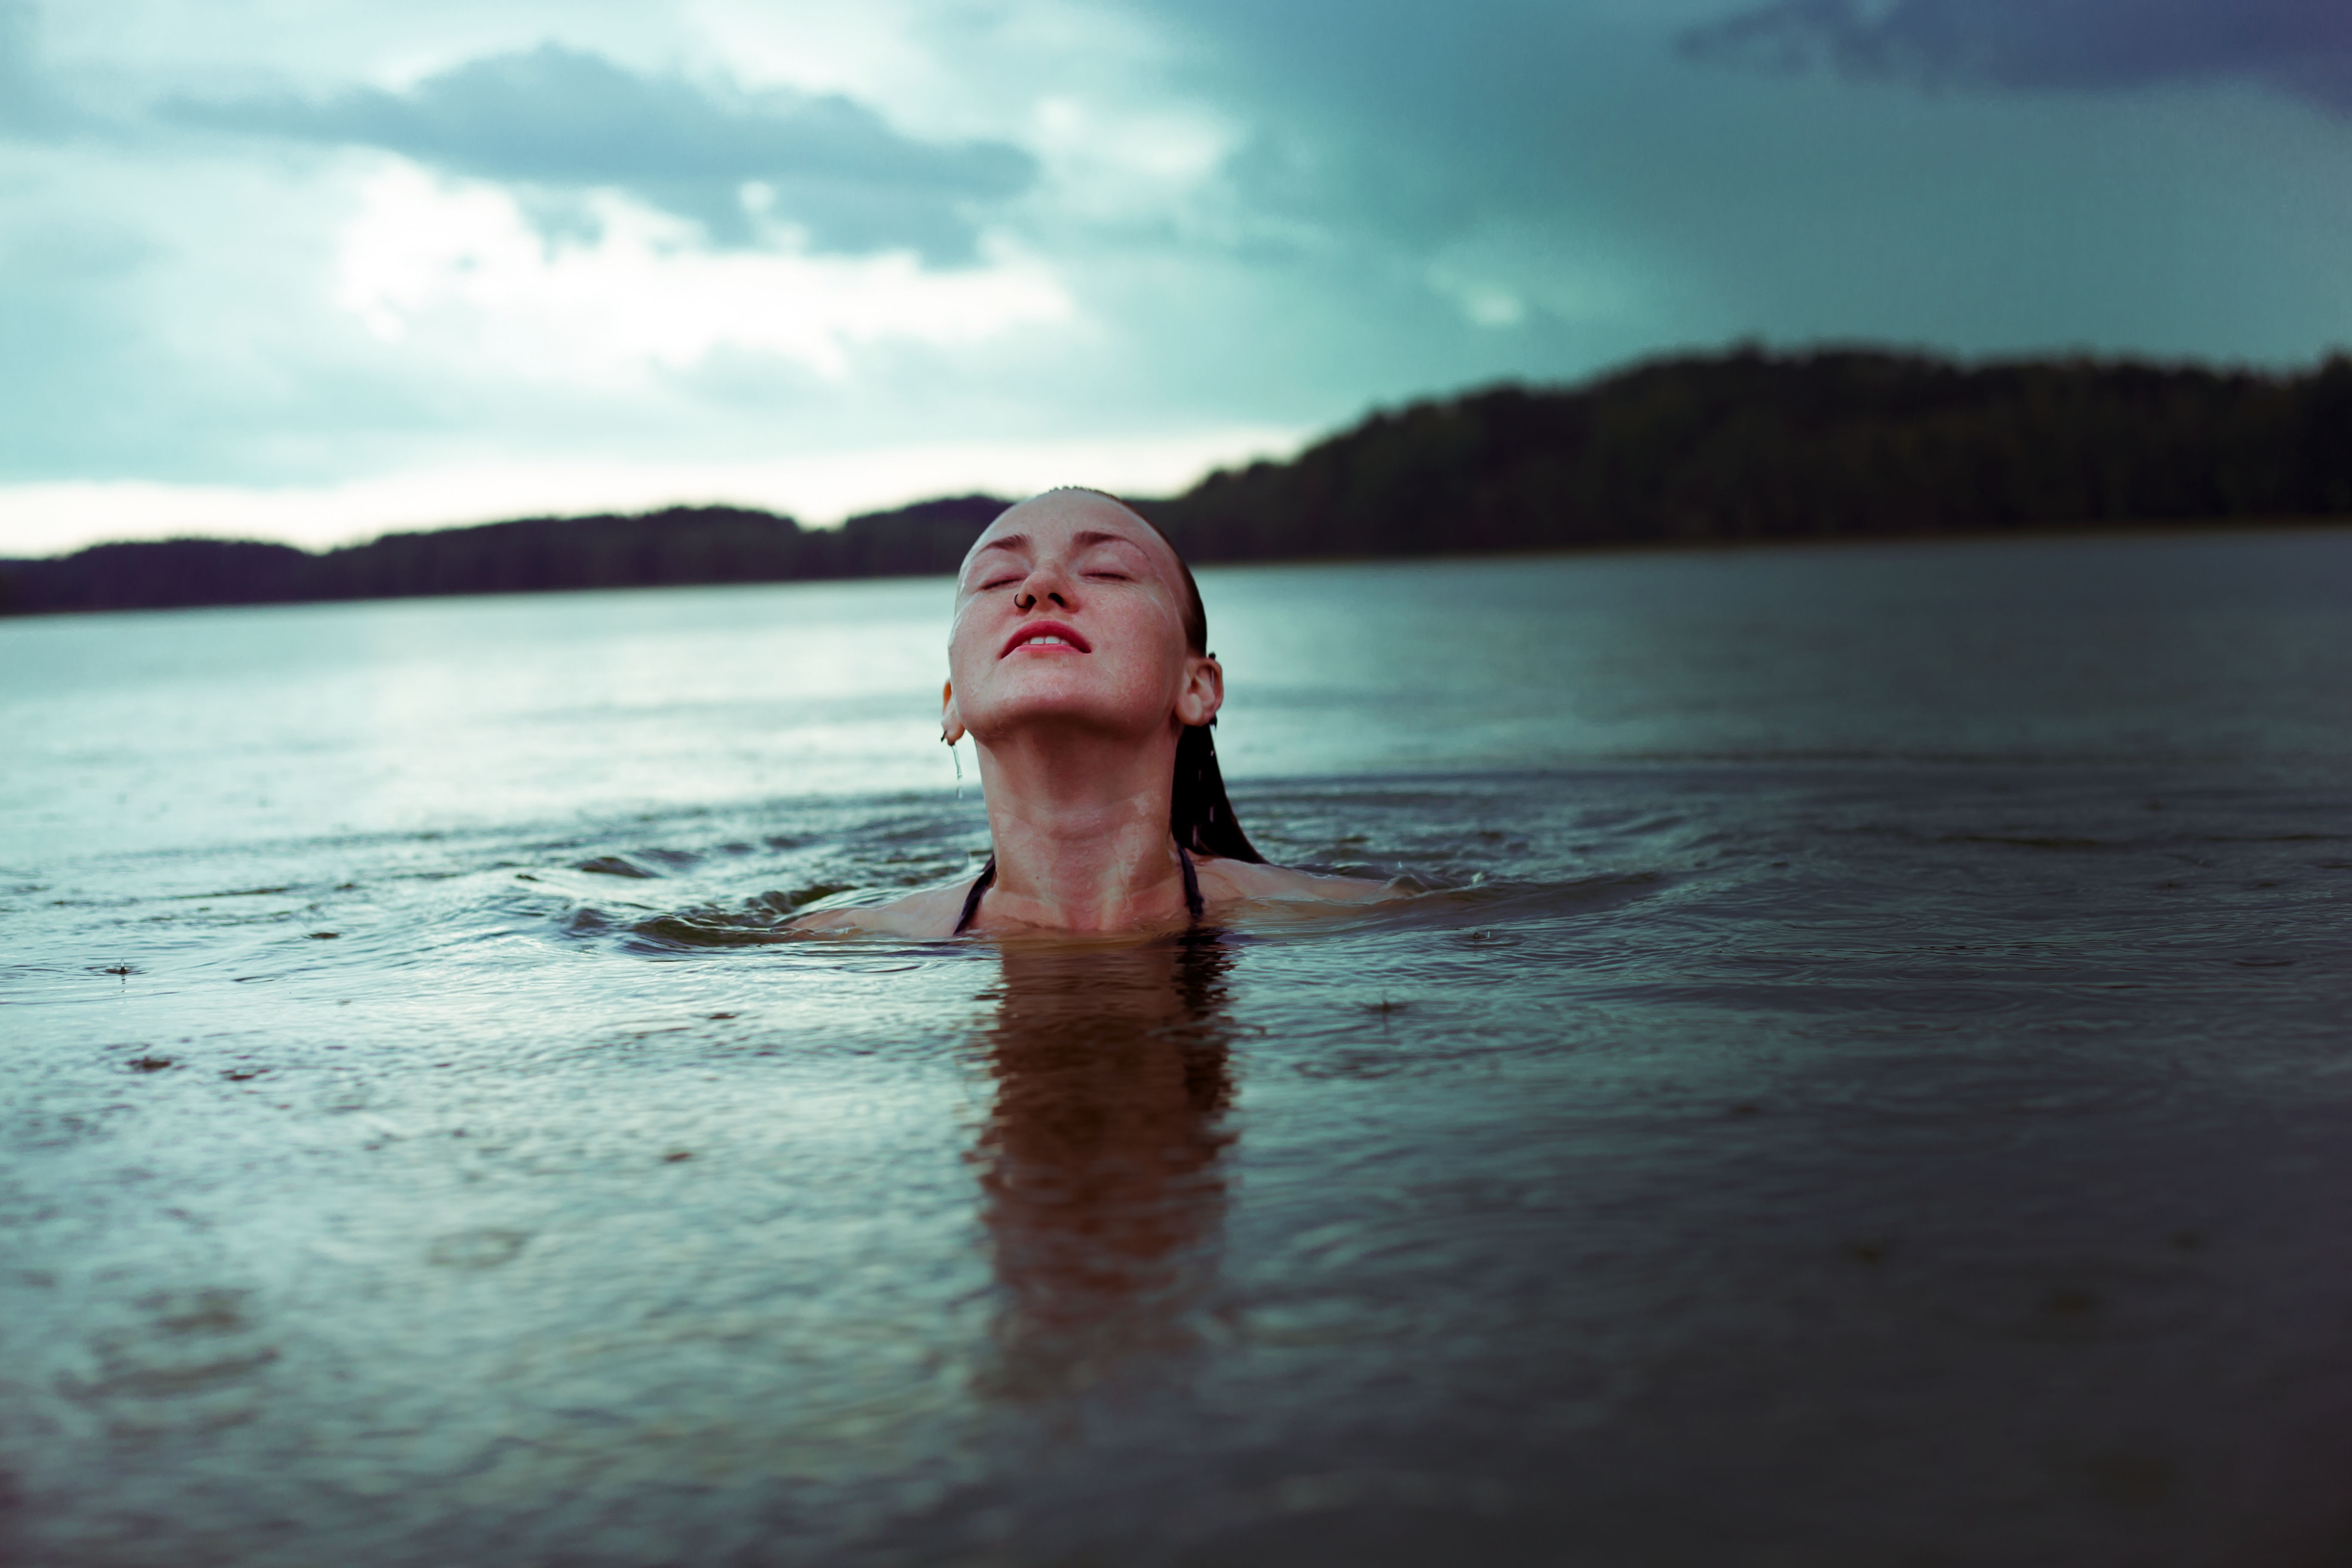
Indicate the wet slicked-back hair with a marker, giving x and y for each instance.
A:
(1198, 814)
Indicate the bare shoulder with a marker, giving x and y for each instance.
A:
(1245, 879)
(920, 917)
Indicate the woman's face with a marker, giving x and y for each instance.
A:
(1070, 611)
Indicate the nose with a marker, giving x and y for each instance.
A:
(1045, 583)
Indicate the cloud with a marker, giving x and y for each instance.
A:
(463, 264)
(738, 164)
(2301, 45)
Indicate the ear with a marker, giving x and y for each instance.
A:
(951, 722)
(1204, 690)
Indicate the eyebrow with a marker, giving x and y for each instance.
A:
(1091, 536)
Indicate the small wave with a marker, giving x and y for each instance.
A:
(642, 863)
(686, 932)
(757, 922)
(615, 866)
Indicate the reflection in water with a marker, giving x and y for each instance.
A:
(1102, 1194)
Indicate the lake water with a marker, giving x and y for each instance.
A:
(1870, 1083)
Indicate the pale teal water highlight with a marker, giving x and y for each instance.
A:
(1877, 1086)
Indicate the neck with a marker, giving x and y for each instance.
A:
(1080, 824)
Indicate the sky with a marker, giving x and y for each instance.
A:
(317, 270)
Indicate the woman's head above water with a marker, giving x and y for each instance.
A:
(1073, 612)
(1079, 666)
(1078, 627)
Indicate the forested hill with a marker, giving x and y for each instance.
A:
(670, 548)
(1752, 446)
(1744, 446)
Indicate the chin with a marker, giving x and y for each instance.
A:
(1096, 711)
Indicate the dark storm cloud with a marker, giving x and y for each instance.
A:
(1407, 119)
(559, 118)
(2303, 45)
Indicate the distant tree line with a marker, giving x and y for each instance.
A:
(674, 547)
(1745, 445)
(1749, 445)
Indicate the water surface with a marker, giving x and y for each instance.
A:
(1869, 1085)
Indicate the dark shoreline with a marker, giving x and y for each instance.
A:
(1743, 447)
(2119, 532)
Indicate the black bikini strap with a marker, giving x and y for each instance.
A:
(972, 899)
(980, 884)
